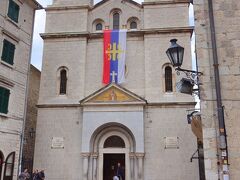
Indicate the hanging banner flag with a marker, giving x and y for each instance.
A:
(114, 55)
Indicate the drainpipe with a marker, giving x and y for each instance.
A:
(223, 157)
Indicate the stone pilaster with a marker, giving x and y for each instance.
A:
(132, 157)
(94, 162)
(85, 157)
(140, 157)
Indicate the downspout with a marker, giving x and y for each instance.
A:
(223, 157)
(26, 99)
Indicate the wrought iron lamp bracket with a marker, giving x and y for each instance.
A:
(192, 75)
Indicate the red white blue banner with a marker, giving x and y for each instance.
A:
(114, 55)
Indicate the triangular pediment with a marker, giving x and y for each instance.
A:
(112, 94)
(125, 1)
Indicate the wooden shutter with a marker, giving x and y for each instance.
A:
(13, 10)
(16, 12)
(11, 52)
(5, 50)
(10, 8)
(4, 100)
(8, 52)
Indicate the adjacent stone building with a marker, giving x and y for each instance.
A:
(85, 128)
(217, 43)
(31, 118)
(16, 29)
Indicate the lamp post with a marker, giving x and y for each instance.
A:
(175, 54)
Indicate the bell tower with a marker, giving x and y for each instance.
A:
(73, 2)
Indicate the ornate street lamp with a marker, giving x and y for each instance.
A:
(175, 54)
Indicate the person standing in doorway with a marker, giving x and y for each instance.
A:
(120, 173)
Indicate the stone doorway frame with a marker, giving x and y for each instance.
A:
(93, 159)
(103, 151)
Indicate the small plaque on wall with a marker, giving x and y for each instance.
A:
(171, 142)
(57, 143)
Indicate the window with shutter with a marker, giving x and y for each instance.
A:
(8, 52)
(13, 11)
(4, 100)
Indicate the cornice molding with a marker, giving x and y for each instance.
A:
(165, 2)
(57, 105)
(130, 33)
(6, 81)
(161, 104)
(62, 8)
(172, 104)
(10, 35)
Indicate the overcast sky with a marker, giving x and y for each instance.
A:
(39, 28)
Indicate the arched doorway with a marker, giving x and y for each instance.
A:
(111, 160)
(112, 145)
(110, 156)
(9, 167)
(1, 164)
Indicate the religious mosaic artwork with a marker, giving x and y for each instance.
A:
(113, 94)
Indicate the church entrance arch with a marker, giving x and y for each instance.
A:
(112, 145)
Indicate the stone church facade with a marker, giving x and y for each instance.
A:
(85, 128)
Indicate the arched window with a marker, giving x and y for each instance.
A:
(114, 142)
(168, 79)
(63, 81)
(1, 163)
(133, 25)
(99, 27)
(116, 19)
(9, 167)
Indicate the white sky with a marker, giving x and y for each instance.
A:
(39, 27)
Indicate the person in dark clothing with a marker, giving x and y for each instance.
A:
(35, 174)
(40, 175)
(120, 172)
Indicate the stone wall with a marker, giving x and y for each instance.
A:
(226, 15)
(31, 118)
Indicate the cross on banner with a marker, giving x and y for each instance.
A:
(113, 51)
(113, 74)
